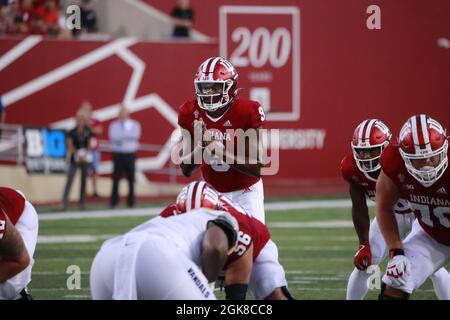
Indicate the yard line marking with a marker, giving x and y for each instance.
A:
(76, 238)
(316, 238)
(56, 289)
(314, 248)
(139, 212)
(326, 224)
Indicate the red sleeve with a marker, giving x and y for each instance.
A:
(347, 168)
(245, 238)
(184, 116)
(391, 161)
(169, 211)
(257, 115)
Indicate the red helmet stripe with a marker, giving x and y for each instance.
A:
(426, 136)
(369, 129)
(198, 194)
(420, 129)
(190, 192)
(211, 68)
(362, 127)
(206, 65)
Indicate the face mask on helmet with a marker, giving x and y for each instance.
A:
(429, 167)
(369, 140)
(368, 158)
(212, 95)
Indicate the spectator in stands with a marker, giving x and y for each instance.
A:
(97, 130)
(12, 19)
(49, 14)
(79, 147)
(124, 134)
(182, 18)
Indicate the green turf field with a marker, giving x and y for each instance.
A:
(317, 261)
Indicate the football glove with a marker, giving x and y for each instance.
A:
(363, 257)
(398, 271)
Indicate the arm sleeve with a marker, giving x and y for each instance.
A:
(257, 116)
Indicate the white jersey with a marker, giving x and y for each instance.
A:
(184, 231)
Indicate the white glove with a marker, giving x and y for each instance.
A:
(398, 272)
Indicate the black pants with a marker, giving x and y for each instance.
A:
(70, 175)
(123, 162)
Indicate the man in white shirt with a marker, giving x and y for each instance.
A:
(124, 134)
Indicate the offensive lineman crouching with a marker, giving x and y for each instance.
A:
(165, 259)
(18, 237)
(254, 263)
(416, 169)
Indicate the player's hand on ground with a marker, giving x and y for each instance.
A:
(363, 257)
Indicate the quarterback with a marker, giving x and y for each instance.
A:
(165, 259)
(254, 262)
(212, 121)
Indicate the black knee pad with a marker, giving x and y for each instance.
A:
(383, 296)
(286, 292)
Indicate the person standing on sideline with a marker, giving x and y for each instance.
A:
(97, 130)
(124, 134)
(79, 147)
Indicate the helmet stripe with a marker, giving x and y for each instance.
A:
(421, 128)
(211, 68)
(198, 193)
(189, 196)
(426, 136)
(369, 129)
(361, 130)
(415, 133)
(206, 65)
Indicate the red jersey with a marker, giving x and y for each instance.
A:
(366, 183)
(431, 205)
(242, 114)
(251, 230)
(12, 204)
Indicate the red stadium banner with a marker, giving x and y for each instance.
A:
(316, 68)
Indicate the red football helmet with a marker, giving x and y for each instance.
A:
(215, 83)
(369, 139)
(198, 194)
(423, 147)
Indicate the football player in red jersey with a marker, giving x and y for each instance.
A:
(360, 169)
(213, 120)
(415, 169)
(254, 262)
(18, 237)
